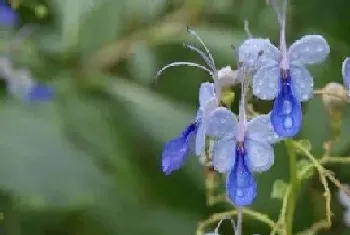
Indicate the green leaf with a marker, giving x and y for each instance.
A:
(143, 10)
(142, 63)
(305, 144)
(279, 189)
(161, 118)
(39, 165)
(301, 166)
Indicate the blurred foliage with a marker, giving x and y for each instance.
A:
(89, 162)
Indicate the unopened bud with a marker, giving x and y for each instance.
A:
(334, 96)
(227, 77)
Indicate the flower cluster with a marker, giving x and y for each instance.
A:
(19, 82)
(241, 145)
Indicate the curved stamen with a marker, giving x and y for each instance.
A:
(196, 36)
(176, 64)
(281, 15)
(246, 29)
(207, 60)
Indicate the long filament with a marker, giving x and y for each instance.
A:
(207, 60)
(195, 35)
(176, 64)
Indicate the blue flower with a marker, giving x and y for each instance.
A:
(40, 93)
(285, 78)
(208, 102)
(176, 151)
(8, 17)
(240, 158)
(192, 138)
(346, 74)
(20, 84)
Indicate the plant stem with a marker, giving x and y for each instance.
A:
(238, 230)
(294, 186)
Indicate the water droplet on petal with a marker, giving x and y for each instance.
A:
(288, 122)
(287, 107)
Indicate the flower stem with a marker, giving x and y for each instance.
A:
(238, 230)
(294, 186)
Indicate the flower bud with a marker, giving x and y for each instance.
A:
(334, 96)
(227, 77)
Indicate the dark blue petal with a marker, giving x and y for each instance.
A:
(241, 186)
(8, 16)
(40, 92)
(176, 150)
(286, 116)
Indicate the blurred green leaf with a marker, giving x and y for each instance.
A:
(305, 144)
(143, 10)
(218, 40)
(142, 63)
(160, 117)
(39, 165)
(302, 164)
(279, 189)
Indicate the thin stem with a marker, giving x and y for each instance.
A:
(294, 186)
(218, 216)
(238, 230)
(342, 97)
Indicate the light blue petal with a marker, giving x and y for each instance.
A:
(310, 49)
(260, 129)
(209, 107)
(206, 92)
(302, 83)
(344, 199)
(199, 115)
(260, 155)
(265, 82)
(346, 72)
(347, 218)
(221, 123)
(256, 52)
(200, 140)
(224, 153)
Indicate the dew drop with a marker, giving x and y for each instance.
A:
(287, 107)
(288, 122)
(272, 85)
(239, 193)
(320, 49)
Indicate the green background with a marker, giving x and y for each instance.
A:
(88, 163)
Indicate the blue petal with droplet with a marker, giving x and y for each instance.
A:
(40, 92)
(286, 116)
(224, 155)
(260, 129)
(241, 186)
(310, 49)
(200, 140)
(176, 150)
(221, 123)
(206, 92)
